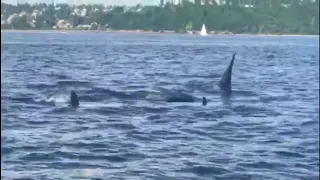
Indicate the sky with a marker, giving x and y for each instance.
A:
(111, 2)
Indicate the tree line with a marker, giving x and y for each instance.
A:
(274, 17)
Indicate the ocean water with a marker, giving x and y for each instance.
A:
(124, 128)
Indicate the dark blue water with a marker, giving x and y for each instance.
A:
(124, 129)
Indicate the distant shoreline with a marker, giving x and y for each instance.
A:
(84, 31)
(137, 32)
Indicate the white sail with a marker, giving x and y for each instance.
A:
(203, 30)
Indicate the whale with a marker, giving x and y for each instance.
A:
(225, 81)
(180, 98)
(74, 100)
(185, 98)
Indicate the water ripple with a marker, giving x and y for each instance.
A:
(124, 128)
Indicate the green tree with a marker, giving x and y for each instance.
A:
(267, 16)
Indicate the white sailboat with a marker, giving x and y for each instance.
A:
(203, 31)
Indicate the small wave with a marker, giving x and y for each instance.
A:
(207, 170)
(74, 83)
(203, 114)
(289, 154)
(288, 131)
(245, 93)
(79, 145)
(26, 100)
(271, 56)
(269, 99)
(196, 133)
(155, 117)
(102, 93)
(140, 136)
(310, 122)
(60, 110)
(227, 124)
(5, 150)
(56, 99)
(156, 110)
(35, 100)
(103, 110)
(262, 165)
(41, 86)
(72, 165)
(252, 111)
(221, 113)
(122, 126)
(110, 158)
(38, 157)
(94, 174)
(40, 122)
